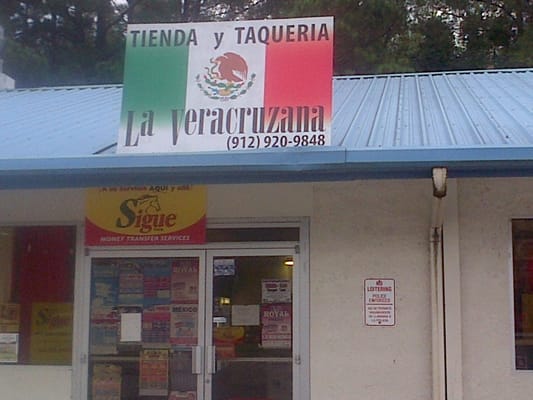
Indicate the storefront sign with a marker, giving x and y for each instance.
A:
(227, 86)
(51, 333)
(149, 215)
(379, 302)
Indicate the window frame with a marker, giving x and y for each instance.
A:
(77, 231)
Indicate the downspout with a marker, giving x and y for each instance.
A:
(438, 350)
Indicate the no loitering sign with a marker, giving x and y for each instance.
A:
(379, 302)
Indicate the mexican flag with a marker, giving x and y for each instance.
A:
(227, 86)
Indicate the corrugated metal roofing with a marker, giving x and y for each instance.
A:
(463, 109)
(58, 122)
(475, 123)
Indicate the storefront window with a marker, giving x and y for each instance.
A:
(36, 294)
(196, 325)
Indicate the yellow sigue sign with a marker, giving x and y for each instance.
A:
(145, 215)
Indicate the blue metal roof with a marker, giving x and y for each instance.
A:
(477, 123)
(461, 109)
(58, 122)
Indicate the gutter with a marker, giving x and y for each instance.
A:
(305, 164)
(438, 338)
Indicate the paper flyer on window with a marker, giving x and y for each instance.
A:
(276, 291)
(153, 373)
(156, 326)
(107, 382)
(131, 284)
(9, 346)
(130, 326)
(224, 267)
(9, 318)
(191, 395)
(51, 333)
(184, 324)
(104, 331)
(156, 282)
(105, 284)
(184, 284)
(182, 380)
(276, 321)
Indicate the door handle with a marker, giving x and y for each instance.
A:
(211, 360)
(197, 358)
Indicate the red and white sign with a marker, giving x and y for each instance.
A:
(379, 302)
(227, 86)
(276, 326)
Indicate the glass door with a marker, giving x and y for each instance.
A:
(249, 352)
(146, 326)
(192, 325)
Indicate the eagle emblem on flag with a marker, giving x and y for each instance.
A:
(226, 78)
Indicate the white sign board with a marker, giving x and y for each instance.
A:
(227, 86)
(379, 302)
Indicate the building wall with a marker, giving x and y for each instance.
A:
(19, 382)
(359, 230)
(486, 207)
(22, 382)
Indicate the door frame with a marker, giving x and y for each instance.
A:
(301, 294)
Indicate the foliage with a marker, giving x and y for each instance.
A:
(61, 42)
(488, 33)
(368, 34)
(66, 42)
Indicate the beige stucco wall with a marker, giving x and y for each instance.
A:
(41, 206)
(259, 201)
(18, 382)
(359, 230)
(486, 207)
(224, 201)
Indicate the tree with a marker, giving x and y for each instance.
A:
(61, 42)
(489, 33)
(369, 35)
(64, 42)
(435, 49)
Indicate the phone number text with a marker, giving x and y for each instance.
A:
(274, 141)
